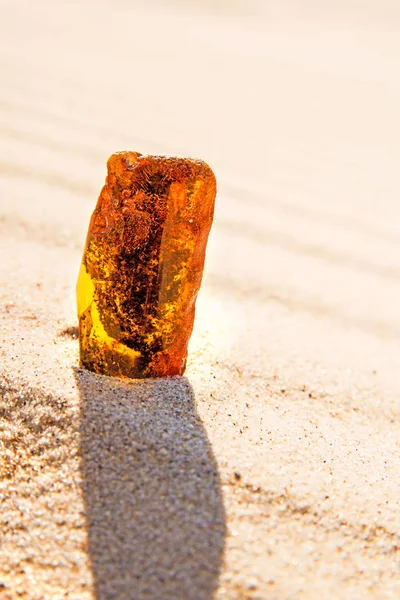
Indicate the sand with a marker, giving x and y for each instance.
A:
(271, 470)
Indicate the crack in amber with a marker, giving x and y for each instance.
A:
(142, 265)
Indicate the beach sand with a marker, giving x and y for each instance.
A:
(272, 469)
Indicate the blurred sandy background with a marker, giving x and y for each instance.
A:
(272, 470)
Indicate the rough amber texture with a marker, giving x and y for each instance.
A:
(142, 265)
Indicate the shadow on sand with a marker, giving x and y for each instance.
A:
(156, 522)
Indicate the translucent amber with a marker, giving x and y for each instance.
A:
(142, 265)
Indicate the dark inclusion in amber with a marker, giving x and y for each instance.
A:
(142, 265)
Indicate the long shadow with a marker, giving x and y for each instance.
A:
(152, 494)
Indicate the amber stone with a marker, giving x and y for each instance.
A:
(142, 265)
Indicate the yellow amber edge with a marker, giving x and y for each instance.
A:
(85, 300)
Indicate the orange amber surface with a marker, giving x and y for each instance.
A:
(142, 265)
